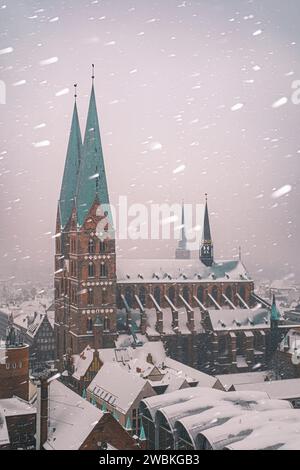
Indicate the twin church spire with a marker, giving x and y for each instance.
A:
(84, 179)
(206, 247)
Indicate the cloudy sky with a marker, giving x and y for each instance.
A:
(193, 97)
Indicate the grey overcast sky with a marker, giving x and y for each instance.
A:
(204, 84)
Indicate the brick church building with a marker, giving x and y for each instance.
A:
(100, 299)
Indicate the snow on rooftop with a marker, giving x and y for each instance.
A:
(71, 418)
(222, 412)
(239, 319)
(168, 270)
(117, 386)
(281, 389)
(4, 437)
(238, 428)
(227, 380)
(15, 406)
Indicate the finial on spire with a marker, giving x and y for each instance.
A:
(93, 72)
(75, 91)
(206, 195)
(240, 253)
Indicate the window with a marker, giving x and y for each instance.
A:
(103, 270)
(171, 294)
(157, 294)
(200, 294)
(104, 296)
(142, 296)
(90, 297)
(89, 324)
(102, 246)
(91, 269)
(91, 246)
(228, 293)
(186, 293)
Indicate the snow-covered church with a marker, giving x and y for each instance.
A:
(204, 311)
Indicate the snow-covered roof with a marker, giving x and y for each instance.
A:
(178, 397)
(239, 319)
(291, 343)
(197, 405)
(117, 386)
(191, 374)
(71, 418)
(222, 412)
(275, 436)
(282, 389)
(169, 270)
(83, 360)
(15, 406)
(240, 427)
(227, 380)
(4, 437)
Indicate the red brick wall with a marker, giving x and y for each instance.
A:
(14, 374)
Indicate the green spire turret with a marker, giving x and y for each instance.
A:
(275, 314)
(92, 182)
(206, 248)
(69, 182)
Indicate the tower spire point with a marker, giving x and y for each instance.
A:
(93, 73)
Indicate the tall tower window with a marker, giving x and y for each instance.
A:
(200, 294)
(90, 297)
(89, 324)
(104, 296)
(186, 293)
(171, 294)
(157, 294)
(91, 246)
(102, 246)
(91, 269)
(103, 270)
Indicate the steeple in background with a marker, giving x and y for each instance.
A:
(181, 251)
(206, 248)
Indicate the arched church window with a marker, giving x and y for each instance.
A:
(106, 324)
(102, 246)
(90, 297)
(129, 296)
(103, 270)
(200, 294)
(91, 246)
(142, 295)
(171, 294)
(157, 294)
(91, 269)
(215, 293)
(186, 293)
(242, 292)
(89, 324)
(228, 293)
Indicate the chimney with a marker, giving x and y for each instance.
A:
(42, 413)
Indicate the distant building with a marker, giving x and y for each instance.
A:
(14, 366)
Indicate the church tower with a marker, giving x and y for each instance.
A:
(85, 259)
(206, 247)
(181, 251)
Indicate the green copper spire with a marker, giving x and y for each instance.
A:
(142, 436)
(69, 182)
(206, 248)
(275, 315)
(206, 237)
(128, 426)
(92, 183)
